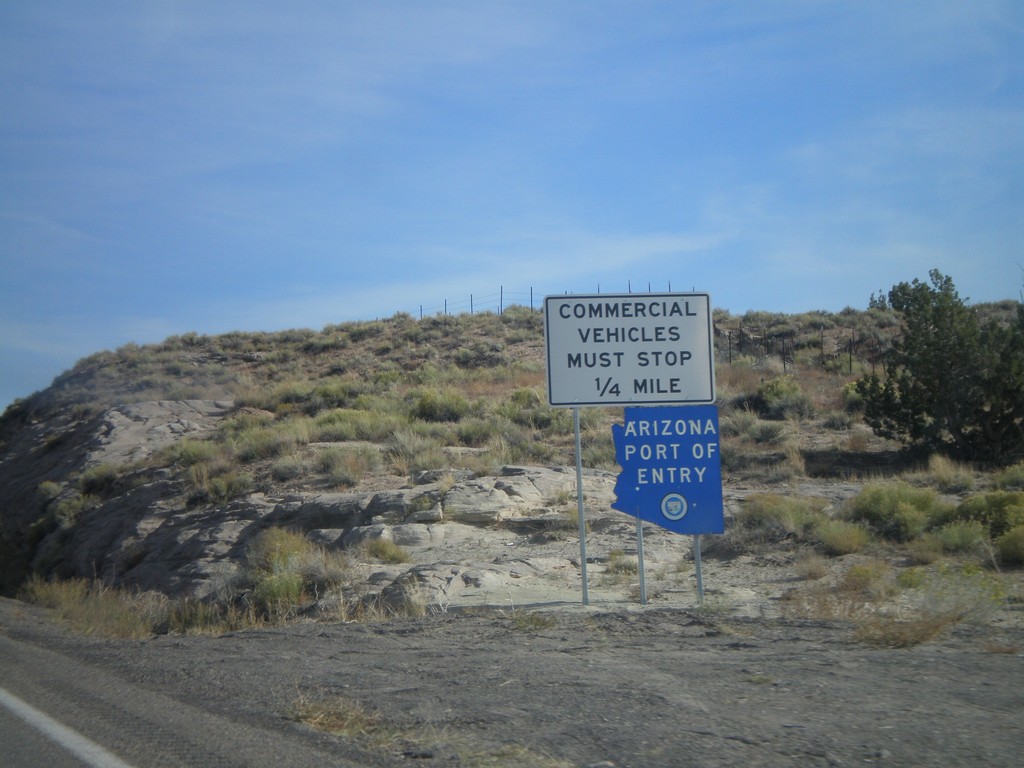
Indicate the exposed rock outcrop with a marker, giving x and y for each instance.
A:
(147, 534)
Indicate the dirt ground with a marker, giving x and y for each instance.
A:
(610, 684)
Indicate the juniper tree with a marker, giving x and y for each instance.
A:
(951, 384)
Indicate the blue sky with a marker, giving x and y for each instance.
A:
(168, 167)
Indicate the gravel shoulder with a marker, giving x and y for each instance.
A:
(589, 686)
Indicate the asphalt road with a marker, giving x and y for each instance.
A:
(661, 688)
(25, 745)
(72, 705)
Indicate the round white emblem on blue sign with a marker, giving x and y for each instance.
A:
(674, 506)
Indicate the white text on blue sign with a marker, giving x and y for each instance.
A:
(671, 468)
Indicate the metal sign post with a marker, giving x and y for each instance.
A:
(697, 568)
(671, 474)
(579, 506)
(640, 559)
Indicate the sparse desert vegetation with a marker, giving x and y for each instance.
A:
(383, 514)
(383, 404)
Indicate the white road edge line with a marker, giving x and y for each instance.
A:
(88, 751)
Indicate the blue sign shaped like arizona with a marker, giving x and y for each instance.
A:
(671, 468)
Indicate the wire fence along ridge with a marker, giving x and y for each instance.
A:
(483, 302)
(503, 298)
(741, 340)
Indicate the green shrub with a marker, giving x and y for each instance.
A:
(925, 549)
(444, 405)
(283, 568)
(526, 409)
(962, 536)
(409, 451)
(959, 593)
(387, 551)
(66, 511)
(347, 466)
(739, 423)
(480, 355)
(345, 425)
(999, 511)
(516, 445)
(912, 578)
(620, 564)
(333, 393)
(907, 522)
(341, 425)
(278, 594)
(188, 616)
(93, 608)
(853, 401)
(745, 362)
(884, 631)
(838, 420)
(270, 441)
(358, 332)
(811, 567)
(775, 517)
(217, 484)
(244, 422)
(262, 443)
(288, 468)
(1010, 546)
(476, 432)
(49, 490)
(275, 549)
(288, 396)
(533, 621)
(525, 397)
(598, 451)
(896, 511)
(948, 475)
(553, 420)
(100, 480)
(839, 537)
(1010, 478)
(767, 432)
(873, 580)
(781, 398)
(190, 451)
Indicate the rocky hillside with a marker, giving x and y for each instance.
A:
(421, 451)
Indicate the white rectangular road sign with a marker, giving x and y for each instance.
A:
(629, 349)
